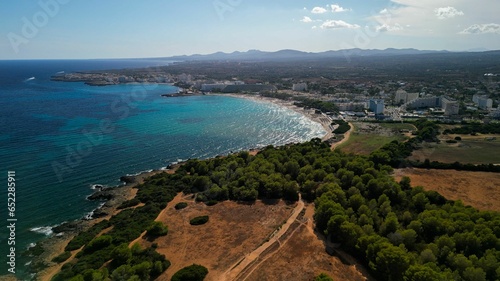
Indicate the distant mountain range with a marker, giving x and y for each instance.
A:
(256, 55)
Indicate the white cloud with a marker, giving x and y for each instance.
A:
(335, 24)
(447, 13)
(306, 19)
(482, 29)
(318, 10)
(388, 28)
(337, 9)
(384, 12)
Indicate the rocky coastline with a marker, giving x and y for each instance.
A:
(111, 198)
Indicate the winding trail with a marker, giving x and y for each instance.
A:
(345, 139)
(235, 270)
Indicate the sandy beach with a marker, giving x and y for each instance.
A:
(322, 119)
(55, 245)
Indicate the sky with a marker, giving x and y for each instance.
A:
(77, 29)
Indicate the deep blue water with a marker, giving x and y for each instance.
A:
(62, 138)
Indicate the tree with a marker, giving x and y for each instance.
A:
(121, 255)
(392, 262)
(474, 274)
(422, 273)
(123, 272)
(157, 229)
(194, 272)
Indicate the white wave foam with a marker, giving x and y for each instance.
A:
(46, 230)
(89, 215)
(29, 79)
(97, 186)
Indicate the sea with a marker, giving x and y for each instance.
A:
(61, 139)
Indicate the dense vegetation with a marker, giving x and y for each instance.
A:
(343, 126)
(399, 232)
(122, 263)
(473, 128)
(193, 272)
(396, 153)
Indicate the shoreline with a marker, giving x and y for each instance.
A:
(310, 114)
(54, 245)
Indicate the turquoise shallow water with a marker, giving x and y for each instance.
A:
(62, 138)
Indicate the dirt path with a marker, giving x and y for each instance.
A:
(235, 270)
(346, 137)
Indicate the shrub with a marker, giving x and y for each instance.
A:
(451, 141)
(62, 257)
(199, 220)
(193, 272)
(211, 202)
(181, 205)
(458, 138)
(157, 229)
(129, 203)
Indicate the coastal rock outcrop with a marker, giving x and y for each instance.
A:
(128, 179)
(101, 195)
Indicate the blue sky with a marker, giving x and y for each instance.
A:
(46, 29)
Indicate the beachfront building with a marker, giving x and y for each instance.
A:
(424, 102)
(249, 88)
(350, 106)
(482, 101)
(377, 106)
(212, 87)
(299, 87)
(450, 106)
(403, 97)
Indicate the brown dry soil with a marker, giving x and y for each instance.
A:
(301, 255)
(480, 190)
(234, 231)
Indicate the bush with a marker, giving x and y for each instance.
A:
(199, 220)
(458, 138)
(181, 205)
(193, 272)
(212, 202)
(451, 141)
(129, 203)
(343, 126)
(62, 257)
(157, 229)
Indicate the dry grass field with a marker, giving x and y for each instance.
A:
(478, 189)
(481, 149)
(368, 137)
(234, 231)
